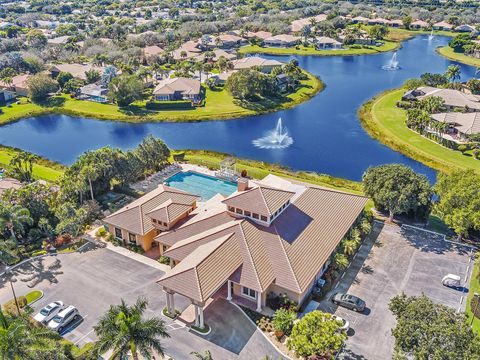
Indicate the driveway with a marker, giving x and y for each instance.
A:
(97, 278)
(391, 261)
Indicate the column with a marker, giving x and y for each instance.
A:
(229, 290)
(172, 304)
(168, 301)
(196, 315)
(201, 324)
(259, 301)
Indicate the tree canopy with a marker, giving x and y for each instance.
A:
(40, 85)
(397, 189)
(125, 89)
(426, 330)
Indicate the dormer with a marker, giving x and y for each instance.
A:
(167, 214)
(262, 204)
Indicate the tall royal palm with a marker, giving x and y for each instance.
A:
(122, 329)
(14, 218)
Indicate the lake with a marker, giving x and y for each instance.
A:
(328, 137)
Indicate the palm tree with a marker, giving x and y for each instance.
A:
(14, 217)
(91, 174)
(122, 329)
(205, 356)
(453, 73)
(349, 247)
(340, 261)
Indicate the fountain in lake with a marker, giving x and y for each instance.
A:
(277, 138)
(430, 37)
(392, 64)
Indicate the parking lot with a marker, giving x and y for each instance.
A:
(391, 261)
(94, 279)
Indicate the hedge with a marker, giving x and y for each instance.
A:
(170, 105)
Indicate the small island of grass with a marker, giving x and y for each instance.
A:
(218, 104)
(449, 53)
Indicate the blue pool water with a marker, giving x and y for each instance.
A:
(204, 186)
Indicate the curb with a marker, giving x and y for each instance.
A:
(34, 301)
(201, 333)
(261, 332)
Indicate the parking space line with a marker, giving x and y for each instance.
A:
(83, 337)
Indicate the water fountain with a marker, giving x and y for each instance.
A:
(392, 64)
(277, 138)
(430, 37)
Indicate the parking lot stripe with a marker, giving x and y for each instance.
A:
(83, 337)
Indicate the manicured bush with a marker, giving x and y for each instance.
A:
(170, 105)
(39, 252)
(164, 260)
(265, 324)
(101, 232)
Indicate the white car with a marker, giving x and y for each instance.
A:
(49, 311)
(63, 318)
(345, 325)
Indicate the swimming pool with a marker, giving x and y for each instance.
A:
(204, 186)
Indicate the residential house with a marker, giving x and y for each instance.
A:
(159, 210)
(58, 41)
(181, 88)
(266, 65)
(188, 50)
(228, 41)
(395, 23)
(442, 25)
(93, 92)
(297, 25)
(18, 85)
(283, 40)
(465, 28)
(460, 125)
(285, 82)
(47, 24)
(419, 24)
(360, 20)
(324, 42)
(260, 35)
(271, 237)
(9, 184)
(453, 99)
(153, 50)
(6, 95)
(78, 71)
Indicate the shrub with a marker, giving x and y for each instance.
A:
(170, 105)
(164, 260)
(476, 153)
(11, 307)
(462, 148)
(109, 237)
(101, 232)
(265, 324)
(63, 240)
(39, 252)
(283, 321)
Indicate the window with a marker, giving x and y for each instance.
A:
(247, 213)
(231, 208)
(263, 218)
(118, 233)
(154, 221)
(249, 292)
(132, 238)
(165, 224)
(239, 211)
(255, 216)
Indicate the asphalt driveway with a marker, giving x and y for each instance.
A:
(96, 278)
(391, 261)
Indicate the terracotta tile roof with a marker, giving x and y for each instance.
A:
(251, 61)
(77, 70)
(291, 251)
(201, 273)
(261, 199)
(466, 123)
(451, 97)
(134, 217)
(152, 50)
(170, 86)
(169, 211)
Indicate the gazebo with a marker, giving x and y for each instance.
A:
(228, 168)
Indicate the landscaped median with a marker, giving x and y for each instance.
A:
(449, 53)
(383, 120)
(303, 50)
(219, 105)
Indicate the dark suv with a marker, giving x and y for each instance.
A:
(349, 301)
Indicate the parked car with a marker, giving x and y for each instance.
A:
(63, 318)
(48, 312)
(452, 281)
(345, 325)
(349, 301)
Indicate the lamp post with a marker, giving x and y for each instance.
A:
(476, 297)
(12, 279)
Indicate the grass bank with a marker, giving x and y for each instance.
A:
(447, 51)
(385, 122)
(397, 34)
(43, 169)
(219, 105)
(473, 288)
(309, 50)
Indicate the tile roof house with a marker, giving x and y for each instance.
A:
(461, 125)
(18, 85)
(77, 70)
(453, 99)
(9, 184)
(419, 24)
(324, 42)
(442, 25)
(255, 61)
(283, 40)
(159, 210)
(170, 89)
(273, 237)
(93, 92)
(261, 35)
(465, 28)
(153, 50)
(297, 25)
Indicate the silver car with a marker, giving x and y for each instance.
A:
(48, 312)
(63, 318)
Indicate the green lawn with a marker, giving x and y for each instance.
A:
(398, 34)
(384, 121)
(33, 296)
(219, 104)
(474, 287)
(448, 52)
(43, 169)
(303, 50)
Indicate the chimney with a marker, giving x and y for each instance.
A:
(242, 184)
